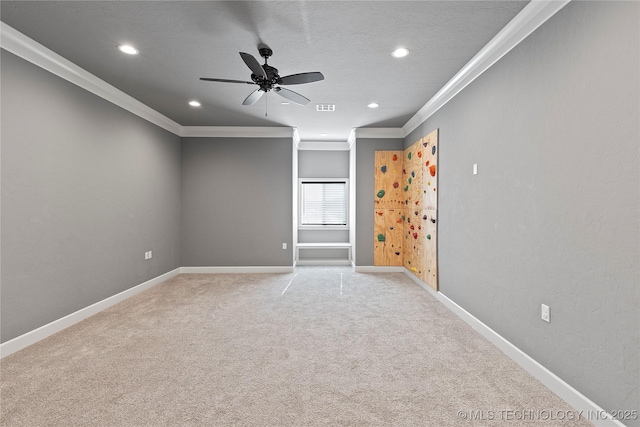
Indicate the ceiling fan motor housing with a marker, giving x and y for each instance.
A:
(272, 78)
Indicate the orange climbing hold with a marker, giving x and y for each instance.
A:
(432, 170)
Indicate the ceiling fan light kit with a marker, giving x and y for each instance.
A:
(267, 78)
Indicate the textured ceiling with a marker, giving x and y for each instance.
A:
(350, 42)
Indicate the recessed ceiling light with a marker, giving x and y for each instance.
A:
(400, 52)
(194, 103)
(284, 103)
(128, 49)
(373, 105)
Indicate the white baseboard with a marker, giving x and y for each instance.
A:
(238, 269)
(378, 269)
(573, 397)
(323, 262)
(25, 340)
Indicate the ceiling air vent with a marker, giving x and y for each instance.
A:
(325, 107)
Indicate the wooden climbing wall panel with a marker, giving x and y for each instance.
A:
(388, 239)
(406, 208)
(388, 208)
(388, 177)
(430, 170)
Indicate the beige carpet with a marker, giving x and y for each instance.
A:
(324, 346)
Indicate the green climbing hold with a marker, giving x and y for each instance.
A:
(429, 236)
(409, 180)
(403, 217)
(406, 188)
(381, 238)
(381, 194)
(409, 155)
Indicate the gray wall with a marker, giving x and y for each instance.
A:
(365, 193)
(323, 164)
(237, 202)
(553, 215)
(87, 188)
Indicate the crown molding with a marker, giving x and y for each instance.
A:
(236, 132)
(28, 49)
(528, 20)
(533, 15)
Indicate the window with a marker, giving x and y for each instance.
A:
(323, 203)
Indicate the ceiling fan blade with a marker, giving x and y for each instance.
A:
(253, 97)
(296, 79)
(291, 95)
(225, 80)
(253, 64)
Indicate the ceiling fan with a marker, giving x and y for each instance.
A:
(266, 77)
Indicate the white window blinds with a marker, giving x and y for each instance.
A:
(323, 203)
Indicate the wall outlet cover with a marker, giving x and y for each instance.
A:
(545, 314)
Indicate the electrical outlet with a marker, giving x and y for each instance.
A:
(284, 246)
(545, 314)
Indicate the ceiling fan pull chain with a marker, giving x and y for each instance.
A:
(266, 105)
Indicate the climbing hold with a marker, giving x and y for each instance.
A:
(403, 217)
(415, 235)
(432, 170)
(397, 253)
(424, 217)
(419, 153)
(427, 163)
(391, 228)
(399, 220)
(406, 188)
(433, 220)
(383, 169)
(404, 171)
(433, 150)
(380, 213)
(395, 157)
(416, 212)
(380, 194)
(429, 236)
(417, 201)
(429, 183)
(396, 185)
(409, 180)
(419, 227)
(412, 227)
(381, 238)
(409, 155)
(413, 174)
